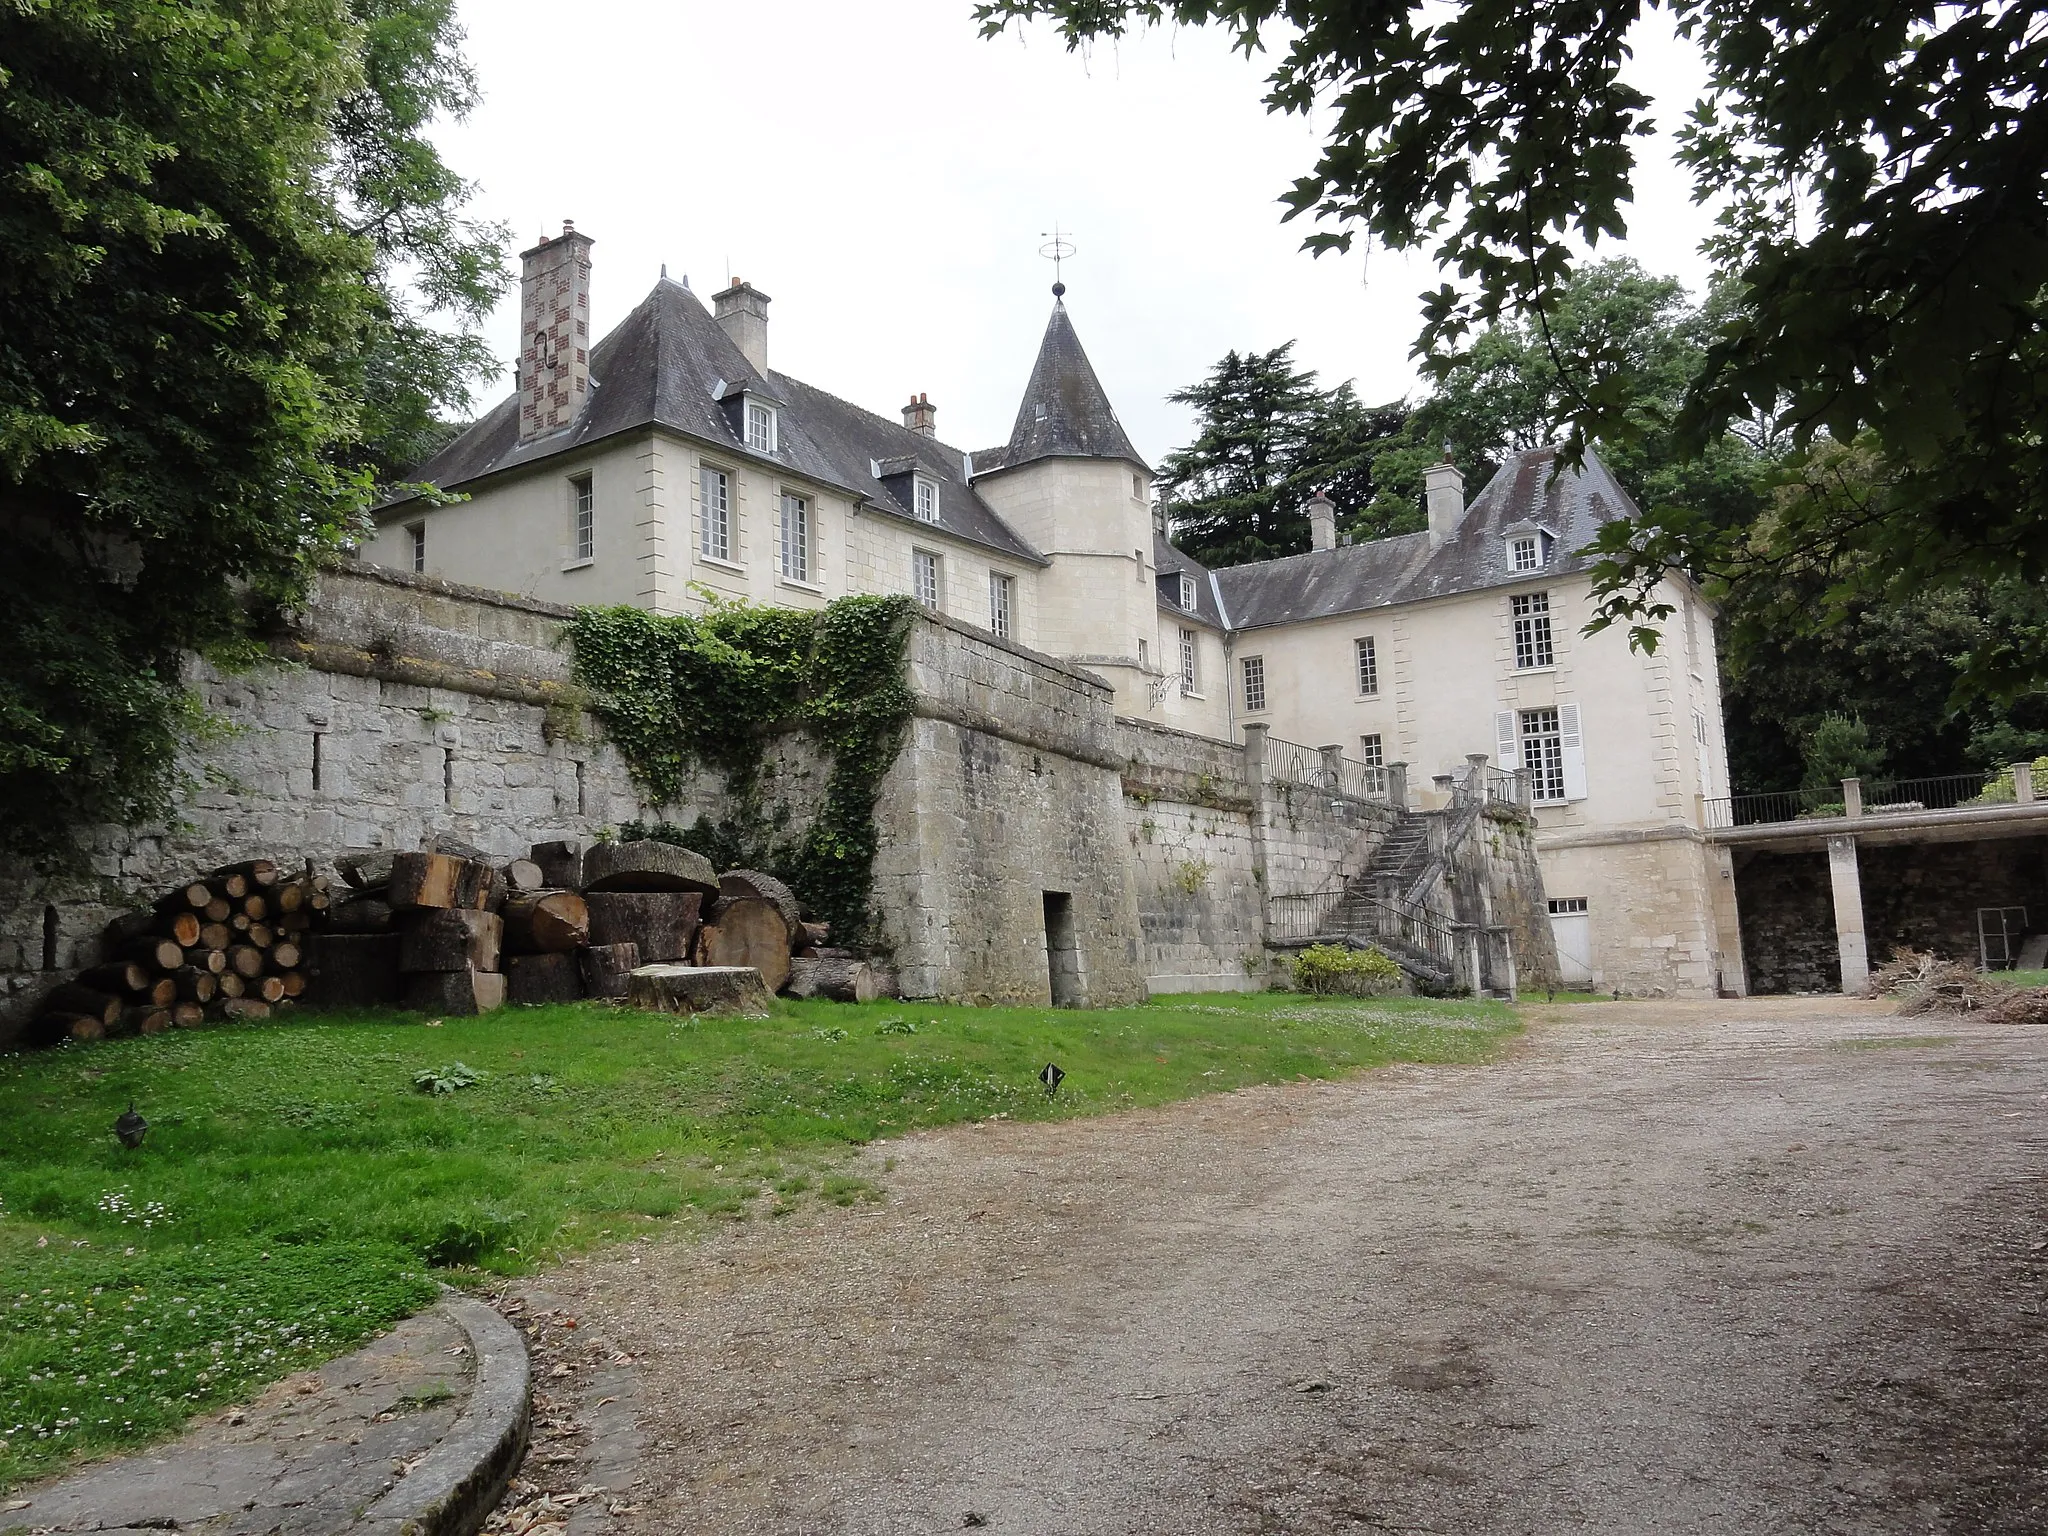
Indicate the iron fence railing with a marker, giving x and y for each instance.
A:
(1944, 793)
(1415, 928)
(1884, 797)
(1498, 786)
(1774, 806)
(1296, 917)
(1289, 762)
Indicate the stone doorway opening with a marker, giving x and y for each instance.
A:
(1063, 952)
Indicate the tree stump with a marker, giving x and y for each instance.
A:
(606, 968)
(549, 978)
(438, 880)
(749, 932)
(662, 923)
(739, 884)
(523, 876)
(245, 1008)
(546, 923)
(647, 866)
(699, 989)
(366, 869)
(844, 981)
(450, 939)
(355, 970)
(459, 992)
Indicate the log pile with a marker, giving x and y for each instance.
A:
(448, 929)
(234, 944)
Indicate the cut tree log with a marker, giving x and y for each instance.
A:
(120, 976)
(366, 869)
(245, 1008)
(256, 906)
(218, 910)
(162, 992)
(75, 1026)
(663, 924)
(187, 1015)
(246, 961)
(749, 932)
(294, 983)
(73, 997)
(546, 923)
(364, 915)
(231, 886)
(230, 984)
(288, 897)
(355, 970)
(456, 848)
(254, 873)
(195, 985)
(738, 884)
(127, 928)
(438, 880)
(543, 978)
(647, 866)
(461, 992)
(214, 960)
(523, 876)
(145, 1021)
(186, 898)
(285, 955)
(606, 968)
(240, 922)
(700, 989)
(213, 936)
(817, 935)
(269, 988)
(561, 865)
(844, 981)
(450, 939)
(261, 936)
(184, 927)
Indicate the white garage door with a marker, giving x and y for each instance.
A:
(1572, 927)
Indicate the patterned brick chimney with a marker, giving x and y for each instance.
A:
(921, 416)
(554, 326)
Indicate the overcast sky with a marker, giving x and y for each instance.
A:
(887, 176)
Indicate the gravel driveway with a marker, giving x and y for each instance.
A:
(1769, 1266)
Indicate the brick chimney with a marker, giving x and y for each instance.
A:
(742, 312)
(1444, 493)
(921, 416)
(1322, 522)
(554, 327)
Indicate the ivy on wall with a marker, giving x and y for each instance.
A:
(677, 691)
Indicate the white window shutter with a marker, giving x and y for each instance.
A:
(1574, 751)
(1504, 740)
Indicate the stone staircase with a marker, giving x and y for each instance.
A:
(1382, 905)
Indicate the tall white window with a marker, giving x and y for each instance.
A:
(1543, 754)
(927, 500)
(1144, 656)
(1525, 554)
(1001, 591)
(796, 537)
(1254, 683)
(760, 427)
(1531, 613)
(1372, 751)
(582, 518)
(924, 577)
(1187, 591)
(1190, 660)
(1368, 666)
(417, 533)
(1546, 746)
(714, 514)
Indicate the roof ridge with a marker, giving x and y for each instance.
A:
(874, 416)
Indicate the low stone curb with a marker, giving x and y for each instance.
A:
(461, 1480)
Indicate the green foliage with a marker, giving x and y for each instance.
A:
(202, 369)
(1882, 224)
(295, 1188)
(1326, 968)
(1266, 440)
(452, 1078)
(1839, 748)
(676, 691)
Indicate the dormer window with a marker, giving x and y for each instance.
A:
(1529, 551)
(760, 427)
(927, 499)
(1187, 591)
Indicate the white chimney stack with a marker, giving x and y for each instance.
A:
(554, 322)
(742, 312)
(1444, 492)
(1322, 522)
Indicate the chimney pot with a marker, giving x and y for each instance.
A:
(1444, 493)
(921, 416)
(1322, 522)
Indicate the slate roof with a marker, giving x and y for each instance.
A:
(1065, 413)
(1171, 562)
(1404, 569)
(658, 367)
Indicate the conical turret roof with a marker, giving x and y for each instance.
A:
(1065, 413)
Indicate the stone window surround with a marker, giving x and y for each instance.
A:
(715, 550)
(932, 594)
(1002, 603)
(1253, 672)
(1366, 657)
(794, 559)
(925, 493)
(761, 426)
(582, 551)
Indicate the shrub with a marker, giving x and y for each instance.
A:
(1325, 968)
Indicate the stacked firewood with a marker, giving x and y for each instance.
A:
(231, 945)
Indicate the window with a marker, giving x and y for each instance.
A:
(1138, 487)
(1187, 591)
(1699, 728)
(924, 577)
(714, 514)
(1368, 667)
(1543, 754)
(582, 519)
(417, 533)
(760, 427)
(1144, 656)
(1566, 906)
(1000, 590)
(796, 538)
(1254, 683)
(927, 500)
(1372, 752)
(1525, 554)
(1531, 613)
(1190, 655)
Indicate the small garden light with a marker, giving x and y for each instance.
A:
(131, 1127)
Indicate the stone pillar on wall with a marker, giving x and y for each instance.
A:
(1397, 786)
(1852, 798)
(2023, 783)
(1846, 881)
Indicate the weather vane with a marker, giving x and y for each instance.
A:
(1056, 249)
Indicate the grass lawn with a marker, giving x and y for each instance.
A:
(297, 1191)
(2018, 978)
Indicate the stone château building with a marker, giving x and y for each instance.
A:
(669, 460)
